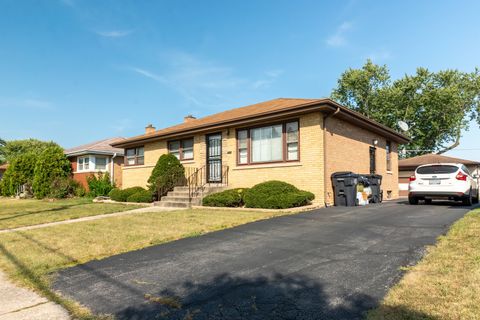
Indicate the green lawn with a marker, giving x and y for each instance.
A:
(18, 213)
(29, 257)
(445, 284)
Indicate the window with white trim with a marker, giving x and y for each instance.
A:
(83, 163)
(101, 163)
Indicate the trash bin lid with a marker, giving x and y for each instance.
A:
(344, 174)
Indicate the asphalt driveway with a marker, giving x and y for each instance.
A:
(333, 263)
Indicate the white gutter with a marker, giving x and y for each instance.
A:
(112, 172)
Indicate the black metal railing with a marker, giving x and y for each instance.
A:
(176, 180)
(202, 177)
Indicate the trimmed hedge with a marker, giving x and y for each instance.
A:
(141, 196)
(122, 195)
(276, 195)
(165, 176)
(227, 198)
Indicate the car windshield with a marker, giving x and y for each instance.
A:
(438, 169)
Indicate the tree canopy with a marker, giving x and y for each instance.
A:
(437, 106)
(51, 164)
(12, 149)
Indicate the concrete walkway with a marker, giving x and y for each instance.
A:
(21, 304)
(90, 218)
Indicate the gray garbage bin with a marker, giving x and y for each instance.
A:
(345, 188)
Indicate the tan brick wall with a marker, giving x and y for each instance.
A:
(307, 174)
(117, 171)
(348, 150)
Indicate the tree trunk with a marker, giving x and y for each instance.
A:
(454, 145)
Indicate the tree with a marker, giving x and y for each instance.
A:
(14, 148)
(166, 175)
(360, 89)
(19, 172)
(437, 106)
(51, 164)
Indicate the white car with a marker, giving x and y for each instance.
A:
(452, 181)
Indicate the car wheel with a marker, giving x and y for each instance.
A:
(413, 200)
(468, 200)
(475, 199)
(428, 201)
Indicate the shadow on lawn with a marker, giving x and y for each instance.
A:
(44, 287)
(290, 296)
(60, 208)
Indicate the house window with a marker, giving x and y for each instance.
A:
(83, 163)
(388, 149)
(291, 130)
(182, 149)
(100, 163)
(134, 156)
(274, 143)
(373, 160)
(243, 147)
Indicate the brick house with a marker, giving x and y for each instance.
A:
(96, 157)
(406, 167)
(300, 141)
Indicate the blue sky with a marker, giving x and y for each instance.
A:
(75, 71)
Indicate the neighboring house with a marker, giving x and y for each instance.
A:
(406, 167)
(3, 168)
(94, 157)
(300, 141)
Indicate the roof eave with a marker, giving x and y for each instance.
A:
(93, 152)
(320, 105)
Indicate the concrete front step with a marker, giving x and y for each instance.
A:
(179, 197)
(171, 204)
(170, 198)
(178, 194)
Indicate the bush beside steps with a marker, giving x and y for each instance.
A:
(267, 195)
(133, 194)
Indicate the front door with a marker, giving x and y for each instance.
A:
(214, 157)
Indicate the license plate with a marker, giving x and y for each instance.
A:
(434, 182)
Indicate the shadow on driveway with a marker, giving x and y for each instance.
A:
(279, 297)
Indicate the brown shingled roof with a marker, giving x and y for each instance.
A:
(102, 146)
(259, 111)
(432, 158)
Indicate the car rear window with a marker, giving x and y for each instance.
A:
(437, 169)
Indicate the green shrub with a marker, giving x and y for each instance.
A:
(99, 184)
(122, 195)
(141, 196)
(19, 172)
(276, 195)
(51, 164)
(167, 174)
(227, 198)
(65, 187)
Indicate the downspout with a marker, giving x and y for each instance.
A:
(112, 170)
(325, 172)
